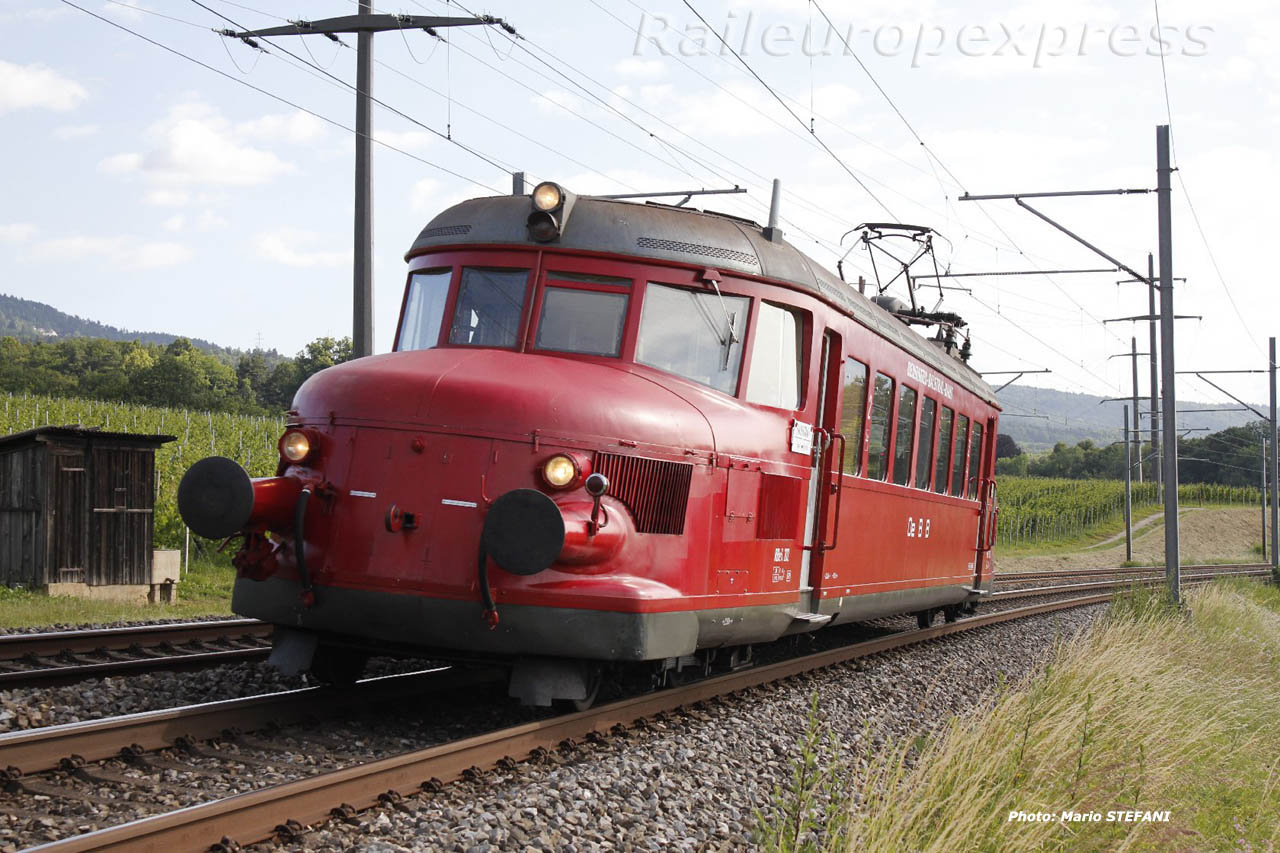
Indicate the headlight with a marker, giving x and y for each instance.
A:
(560, 471)
(295, 446)
(547, 196)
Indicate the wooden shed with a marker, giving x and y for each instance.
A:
(76, 507)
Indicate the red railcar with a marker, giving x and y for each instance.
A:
(612, 432)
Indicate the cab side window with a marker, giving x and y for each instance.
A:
(776, 358)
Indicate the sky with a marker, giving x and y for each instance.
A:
(146, 191)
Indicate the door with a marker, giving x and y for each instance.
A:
(986, 491)
(820, 522)
(70, 518)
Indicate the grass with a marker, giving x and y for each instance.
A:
(1157, 708)
(204, 591)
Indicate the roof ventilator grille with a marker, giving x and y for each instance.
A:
(444, 231)
(698, 249)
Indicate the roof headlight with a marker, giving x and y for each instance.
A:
(295, 446)
(547, 196)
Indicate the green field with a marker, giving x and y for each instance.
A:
(249, 440)
(1036, 511)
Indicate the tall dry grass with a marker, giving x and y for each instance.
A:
(1154, 709)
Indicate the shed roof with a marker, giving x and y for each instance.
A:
(76, 431)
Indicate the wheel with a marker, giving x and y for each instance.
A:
(924, 618)
(951, 613)
(337, 665)
(595, 675)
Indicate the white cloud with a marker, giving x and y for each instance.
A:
(168, 198)
(293, 247)
(409, 140)
(293, 127)
(635, 67)
(176, 222)
(210, 221)
(26, 86)
(17, 232)
(76, 131)
(194, 144)
(119, 164)
(124, 252)
(128, 9)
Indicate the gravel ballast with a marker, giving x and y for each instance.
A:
(696, 780)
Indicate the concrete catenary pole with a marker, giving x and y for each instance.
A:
(1168, 396)
(1275, 472)
(1128, 492)
(1154, 349)
(362, 294)
(1137, 426)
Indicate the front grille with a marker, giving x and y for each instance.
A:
(656, 492)
(697, 249)
(779, 507)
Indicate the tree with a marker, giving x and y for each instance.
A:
(1006, 447)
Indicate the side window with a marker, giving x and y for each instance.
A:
(775, 358)
(878, 439)
(424, 309)
(694, 335)
(928, 414)
(957, 456)
(943, 468)
(490, 303)
(975, 460)
(906, 432)
(854, 413)
(585, 321)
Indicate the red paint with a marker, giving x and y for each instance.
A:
(445, 430)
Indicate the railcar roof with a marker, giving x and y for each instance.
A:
(687, 236)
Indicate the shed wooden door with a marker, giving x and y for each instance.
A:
(123, 485)
(69, 544)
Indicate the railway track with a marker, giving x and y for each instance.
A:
(1088, 584)
(146, 742)
(255, 815)
(1013, 577)
(60, 657)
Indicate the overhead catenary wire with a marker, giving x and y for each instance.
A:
(273, 95)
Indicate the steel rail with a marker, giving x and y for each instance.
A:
(47, 643)
(180, 662)
(254, 816)
(36, 658)
(1008, 577)
(37, 750)
(1030, 592)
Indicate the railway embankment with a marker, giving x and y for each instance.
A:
(1152, 730)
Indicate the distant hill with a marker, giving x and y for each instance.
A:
(28, 320)
(1075, 417)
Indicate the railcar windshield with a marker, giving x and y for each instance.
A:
(490, 305)
(424, 309)
(774, 379)
(694, 335)
(590, 322)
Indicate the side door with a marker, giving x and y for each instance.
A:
(983, 487)
(829, 449)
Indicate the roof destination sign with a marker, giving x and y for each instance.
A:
(930, 380)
